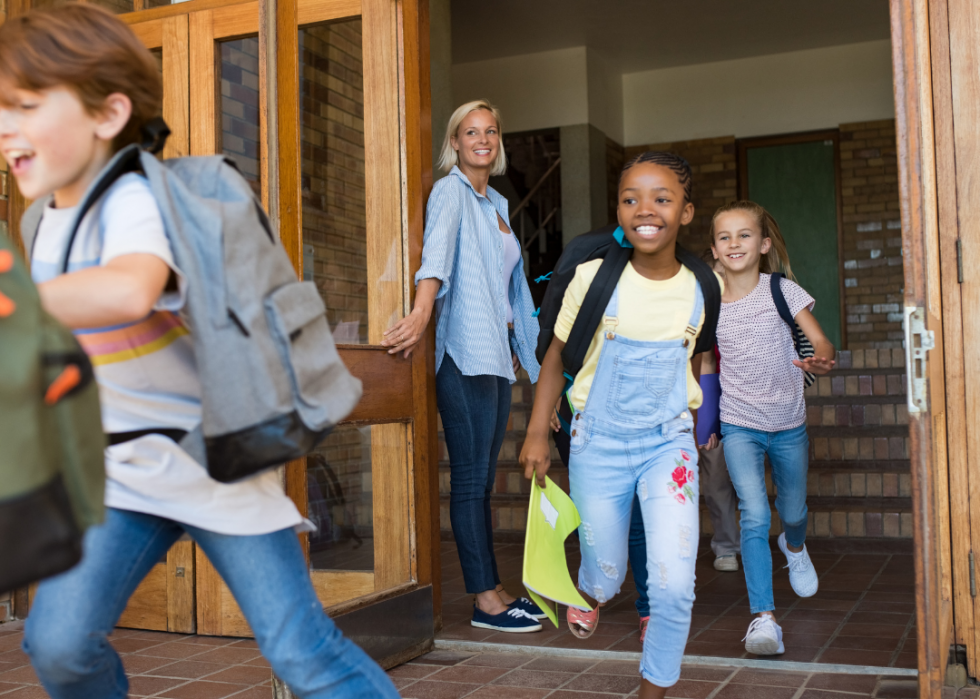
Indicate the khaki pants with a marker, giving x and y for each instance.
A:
(719, 493)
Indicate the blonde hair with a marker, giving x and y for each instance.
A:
(449, 158)
(777, 259)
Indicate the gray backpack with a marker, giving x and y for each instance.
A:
(272, 383)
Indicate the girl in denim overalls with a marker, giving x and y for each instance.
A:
(632, 433)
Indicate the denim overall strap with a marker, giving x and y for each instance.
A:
(691, 332)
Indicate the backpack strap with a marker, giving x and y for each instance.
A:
(711, 290)
(126, 160)
(593, 307)
(781, 306)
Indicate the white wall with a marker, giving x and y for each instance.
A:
(780, 93)
(534, 91)
(605, 85)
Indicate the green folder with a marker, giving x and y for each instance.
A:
(551, 517)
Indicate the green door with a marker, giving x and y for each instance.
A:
(797, 184)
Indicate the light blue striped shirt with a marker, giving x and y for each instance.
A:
(463, 249)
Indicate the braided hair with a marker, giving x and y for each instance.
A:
(673, 161)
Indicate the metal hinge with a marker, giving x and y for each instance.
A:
(973, 576)
(918, 341)
(959, 260)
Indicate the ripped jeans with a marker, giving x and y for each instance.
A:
(659, 466)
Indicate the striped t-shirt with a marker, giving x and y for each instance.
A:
(148, 378)
(162, 389)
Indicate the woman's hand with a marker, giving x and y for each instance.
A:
(406, 333)
(536, 459)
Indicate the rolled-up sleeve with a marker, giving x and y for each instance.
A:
(442, 221)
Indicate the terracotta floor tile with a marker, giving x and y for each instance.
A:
(604, 683)
(229, 655)
(443, 657)
(534, 678)
(691, 689)
(9, 686)
(615, 667)
(202, 689)
(36, 692)
(509, 693)
(411, 671)
(862, 684)
(573, 665)
(176, 651)
(897, 689)
(133, 645)
(425, 689)
(826, 694)
(147, 686)
(865, 643)
(188, 669)
(468, 673)
(143, 664)
(704, 673)
(748, 691)
(773, 678)
(23, 675)
(566, 694)
(253, 693)
(241, 674)
(509, 660)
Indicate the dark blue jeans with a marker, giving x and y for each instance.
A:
(474, 411)
(638, 558)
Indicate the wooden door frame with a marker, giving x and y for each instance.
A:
(400, 178)
(917, 160)
(742, 145)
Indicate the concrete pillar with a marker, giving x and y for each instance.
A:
(583, 180)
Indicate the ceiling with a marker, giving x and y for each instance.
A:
(640, 35)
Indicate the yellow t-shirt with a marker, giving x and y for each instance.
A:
(649, 311)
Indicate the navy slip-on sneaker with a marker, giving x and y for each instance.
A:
(512, 621)
(528, 606)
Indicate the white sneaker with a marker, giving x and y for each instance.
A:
(727, 563)
(764, 637)
(802, 574)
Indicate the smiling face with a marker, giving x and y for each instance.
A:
(738, 242)
(54, 145)
(652, 207)
(477, 140)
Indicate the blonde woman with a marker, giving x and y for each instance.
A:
(472, 274)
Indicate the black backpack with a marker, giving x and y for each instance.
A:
(800, 342)
(606, 243)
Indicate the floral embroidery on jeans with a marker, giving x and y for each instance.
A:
(682, 477)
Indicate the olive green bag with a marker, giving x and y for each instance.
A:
(52, 467)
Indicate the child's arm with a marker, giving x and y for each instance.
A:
(536, 454)
(822, 360)
(124, 290)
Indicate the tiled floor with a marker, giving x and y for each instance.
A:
(450, 675)
(864, 613)
(158, 665)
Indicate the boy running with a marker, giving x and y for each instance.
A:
(76, 85)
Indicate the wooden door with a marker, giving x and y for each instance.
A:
(923, 147)
(324, 115)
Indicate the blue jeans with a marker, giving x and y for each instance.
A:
(474, 411)
(73, 613)
(788, 452)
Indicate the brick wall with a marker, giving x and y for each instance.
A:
(713, 164)
(873, 274)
